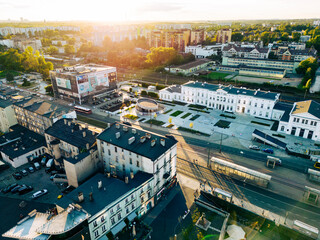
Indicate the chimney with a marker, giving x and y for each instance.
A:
(148, 135)
(65, 121)
(134, 131)
(84, 133)
(87, 146)
(92, 132)
(142, 139)
(86, 125)
(126, 180)
(91, 196)
(69, 123)
(108, 125)
(72, 130)
(131, 140)
(162, 142)
(117, 135)
(153, 142)
(99, 184)
(131, 175)
(117, 125)
(73, 120)
(80, 127)
(125, 128)
(80, 197)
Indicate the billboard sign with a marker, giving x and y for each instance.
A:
(64, 83)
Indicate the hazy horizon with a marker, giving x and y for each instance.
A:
(123, 11)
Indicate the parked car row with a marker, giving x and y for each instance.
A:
(266, 150)
(25, 172)
(17, 188)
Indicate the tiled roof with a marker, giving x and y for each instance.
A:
(309, 106)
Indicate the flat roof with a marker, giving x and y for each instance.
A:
(262, 59)
(193, 64)
(141, 148)
(112, 189)
(5, 103)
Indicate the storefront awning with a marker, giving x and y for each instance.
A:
(118, 228)
(132, 216)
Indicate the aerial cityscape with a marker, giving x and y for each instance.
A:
(138, 120)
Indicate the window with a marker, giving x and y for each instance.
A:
(294, 119)
(298, 119)
(117, 159)
(315, 124)
(261, 105)
(127, 210)
(102, 219)
(109, 152)
(111, 211)
(306, 122)
(138, 164)
(239, 101)
(103, 228)
(96, 233)
(311, 123)
(94, 223)
(115, 149)
(255, 105)
(132, 206)
(119, 216)
(302, 121)
(118, 206)
(267, 114)
(132, 197)
(130, 160)
(112, 221)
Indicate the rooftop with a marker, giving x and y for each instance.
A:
(286, 107)
(309, 106)
(193, 64)
(262, 59)
(73, 133)
(234, 90)
(137, 141)
(19, 141)
(83, 69)
(174, 88)
(111, 190)
(5, 103)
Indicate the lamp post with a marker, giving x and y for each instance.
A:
(220, 142)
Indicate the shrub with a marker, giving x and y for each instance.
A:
(261, 123)
(176, 113)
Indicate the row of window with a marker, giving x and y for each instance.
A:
(304, 121)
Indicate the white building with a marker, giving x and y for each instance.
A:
(246, 52)
(226, 98)
(7, 116)
(203, 51)
(303, 120)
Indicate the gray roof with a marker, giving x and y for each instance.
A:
(245, 49)
(305, 52)
(19, 141)
(193, 64)
(234, 90)
(71, 134)
(112, 189)
(5, 103)
(141, 148)
(174, 88)
(286, 107)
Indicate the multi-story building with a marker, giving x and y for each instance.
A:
(204, 51)
(38, 115)
(246, 52)
(20, 145)
(81, 83)
(297, 55)
(197, 37)
(290, 66)
(224, 35)
(73, 147)
(303, 120)
(226, 98)
(254, 71)
(7, 115)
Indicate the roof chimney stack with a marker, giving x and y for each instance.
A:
(142, 139)
(162, 142)
(134, 131)
(91, 196)
(86, 125)
(87, 146)
(153, 142)
(117, 125)
(117, 135)
(84, 133)
(125, 128)
(80, 197)
(131, 140)
(65, 121)
(126, 180)
(99, 184)
(80, 127)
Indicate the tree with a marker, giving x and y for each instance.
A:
(49, 89)
(107, 43)
(296, 36)
(9, 77)
(26, 83)
(237, 37)
(69, 49)
(265, 38)
(284, 36)
(51, 50)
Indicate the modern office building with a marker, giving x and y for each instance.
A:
(7, 115)
(226, 98)
(289, 66)
(81, 83)
(38, 115)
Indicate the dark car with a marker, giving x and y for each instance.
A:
(68, 189)
(17, 175)
(8, 189)
(31, 169)
(24, 172)
(15, 189)
(268, 150)
(25, 189)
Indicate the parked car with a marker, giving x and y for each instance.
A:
(24, 172)
(54, 172)
(17, 175)
(31, 169)
(44, 161)
(37, 166)
(8, 189)
(254, 147)
(15, 189)
(39, 193)
(68, 189)
(268, 150)
(25, 189)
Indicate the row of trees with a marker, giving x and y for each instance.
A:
(308, 69)
(27, 61)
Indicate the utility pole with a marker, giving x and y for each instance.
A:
(220, 142)
(208, 164)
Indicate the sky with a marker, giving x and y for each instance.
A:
(156, 10)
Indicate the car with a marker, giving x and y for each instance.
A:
(68, 189)
(8, 189)
(24, 172)
(44, 161)
(25, 189)
(52, 177)
(37, 166)
(254, 147)
(268, 150)
(31, 169)
(15, 189)
(53, 172)
(17, 175)
(39, 193)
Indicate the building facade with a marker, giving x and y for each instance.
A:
(7, 116)
(204, 51)
(226, 98)
(224, 35)
(246, 52)
(80, 83)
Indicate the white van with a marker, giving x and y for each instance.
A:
(39, 193)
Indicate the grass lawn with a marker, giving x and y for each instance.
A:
(193, 131)
(167, 111)
(196, 106)
(261, 123)
(176, 113)
(222, 124)
(227, 116)
(217, 75)
(186, 115)
(155, 122)
(91, 121)
(130, 116)
(194, 117)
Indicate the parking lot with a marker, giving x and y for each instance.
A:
(38, 180)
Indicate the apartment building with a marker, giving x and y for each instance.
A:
(80, 83)
(226, 98)
(73, 147)
(224, 35)
(197, 37)
(303, 120)
(7, 115)
(38, 115)
(289, 66)
(297, 55)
